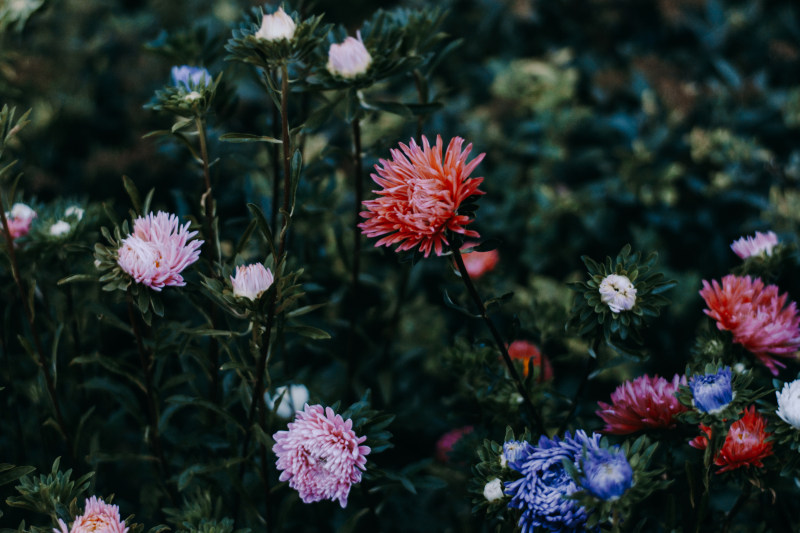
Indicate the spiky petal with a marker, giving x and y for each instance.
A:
(643, 403)
(746, 443)
(98, 517)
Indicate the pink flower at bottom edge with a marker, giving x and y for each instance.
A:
(98, 517)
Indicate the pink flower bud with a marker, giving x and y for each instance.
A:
(251, 281)
(277, 26)
(349, 59)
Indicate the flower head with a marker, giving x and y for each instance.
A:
(190, 78)
(760, 244)
(527, 351)
(644, 403)
(251, 281)
(292, 399)
(789, 403)
(607, 474)
(745, 444)
(59, 228)
(712, 392)
(277, 26)
(447, 442)
(349, 58)
(757, 316)
(493, 490)
(479, 263)
(98, 517)
(618, 293)
(19, 220)
(320, 455)
(74, 211)
(158, 250)
(514, 451)
(540, 492)
(421, 195)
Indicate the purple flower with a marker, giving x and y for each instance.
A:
(515, 451)
(607, 474)
(540, 493)
(712, 392)
(190, 78)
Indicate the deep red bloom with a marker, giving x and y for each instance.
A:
(757, 316)
(644, 403)
(745, 445)
(420, 196)
(527, 351)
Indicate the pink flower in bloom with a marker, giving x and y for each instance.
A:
(479, 263)
(644, 403)
(158, 250)
(420, 196)
(447, 441)
(251, 281)
(527, 351)
(320, 455)
(99, 517)
(762, 243)
(757, 316)
(19, 220)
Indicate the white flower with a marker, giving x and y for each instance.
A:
(192, 96)
(349, 59)
(21, 212)
(277, 26)
(74, 211)
(493, 490)
(292, 399)
(789, 403)
(618, 293)
(251, 281)
(60, 228)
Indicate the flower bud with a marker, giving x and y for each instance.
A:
(712, 392)
(618, 293)
(59, 228)
(74, 211)
(493, 490)
(349, 59)
(189, 78)
(277, 26)
(251, 281)
(19, 220)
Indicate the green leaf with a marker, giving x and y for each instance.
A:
(310, 332)
(258, 214)
(248, 138)
(10, 473)
(133, 193)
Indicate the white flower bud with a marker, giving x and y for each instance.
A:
(192, 96)
(349, 59)
(618, 293)
(74, 211)
(60, 228)
(493, 490)
(277, 26)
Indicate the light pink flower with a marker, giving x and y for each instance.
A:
(757, 316)
(251, 281)
(19, 220)
(349, 58)
(276, 26)
(644, 403)
(158, 250)
(320, 455)
(421, 195)
(99, 517)
(762, 243)
(479, 263)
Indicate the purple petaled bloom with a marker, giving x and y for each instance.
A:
(540, 493)
(712, 392)
(607, 474)
(515, 451)
(190, 78)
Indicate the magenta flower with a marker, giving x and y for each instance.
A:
(99, 517)
(644, 403)
(251, 281)
(158, 250)
(320, 455)
(762, 243)
(19, 220)
(757, 316)
(447, 442)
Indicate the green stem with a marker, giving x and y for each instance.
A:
(352, 352)
(590, 365)
(743, 497)
(498, 339)
(287, 161)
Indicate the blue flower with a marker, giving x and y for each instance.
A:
(515, 451)
(190, 78)
(607, 474)
(712, 392)
(540, 493)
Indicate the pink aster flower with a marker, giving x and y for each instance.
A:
(762, 243)
(757, 316)
(320, 455)
(447, 442)
(99, 517)
(158, 250)
(19, 220)
(251, 281)
(644, 403)
(479, 263)
(420, 196)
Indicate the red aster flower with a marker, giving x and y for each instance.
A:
(527, 351)
(757, 316)
(644, 403)
(420, 196)
(479, 263)
(745, 445)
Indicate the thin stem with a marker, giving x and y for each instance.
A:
(287, 160)
(352, 354)
(423, 99)
(574, 406)
(498, 339)
(39, 359)
(276, 165)
(265, 472)
(737, 506)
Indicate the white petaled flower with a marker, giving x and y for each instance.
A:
(59, 228)
(277, 26)
(22, 211)
(618, 293)
(349, 58)
(760, 244)
(292, 399)
(74, 211)
(789, 403)
(251, 281)
(493, 490)
(192, 96)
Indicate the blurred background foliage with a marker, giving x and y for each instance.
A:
(668, 124)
